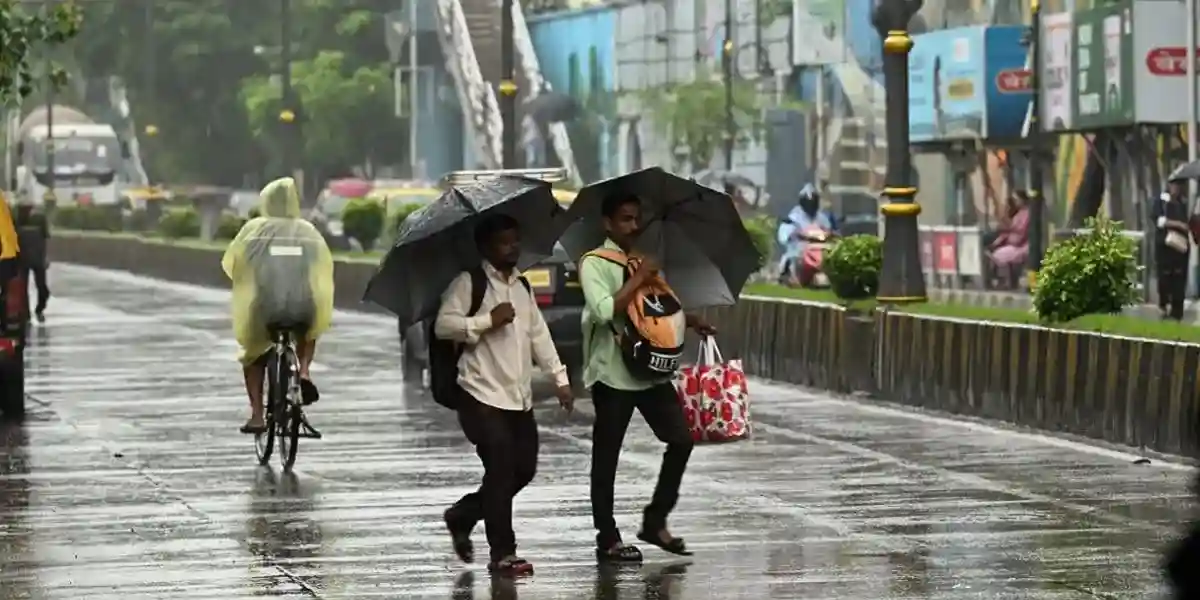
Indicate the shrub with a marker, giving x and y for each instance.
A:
(762, 233)
(138, 220)
(396, 219)
(68, 217)
(1092, 273)
(179, 222)
(101, 218)
(853, 265)
(362, 219)
(229, 226)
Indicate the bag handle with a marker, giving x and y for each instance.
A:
(708, 353)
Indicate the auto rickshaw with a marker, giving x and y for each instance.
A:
(14, 319)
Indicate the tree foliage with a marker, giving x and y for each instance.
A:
(692, 116)
(201, 73)
(23, 32)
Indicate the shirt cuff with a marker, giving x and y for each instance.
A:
(561, 379)
(1162, 222)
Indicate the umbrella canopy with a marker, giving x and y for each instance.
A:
(437, 242)
(1186, 171)
(694, 231)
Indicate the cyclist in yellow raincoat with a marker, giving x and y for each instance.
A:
(282, 274)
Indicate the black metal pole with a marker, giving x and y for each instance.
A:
(727, 68)
(288, 114)
(49, 121)
(1037, 200)
(901, 280)
(508, 86)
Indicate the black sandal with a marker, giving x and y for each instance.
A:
(249, 429)
(619, 553)
(460, 538)
(308, 392)
(674, 546)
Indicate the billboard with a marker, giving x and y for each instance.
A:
(946, 87)
(1103, 69)
(1056, 83)
(1009, 82)
(1160, 62)
(967, 83)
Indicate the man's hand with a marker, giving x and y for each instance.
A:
(565, 398)
(701, 326)
(648, 267)
(502, 315)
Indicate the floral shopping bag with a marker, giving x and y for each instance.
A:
(714, 398)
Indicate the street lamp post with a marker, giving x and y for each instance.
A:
(287, 116)
(508, 87)
(728, 71)
(901, 280)
(1037, 204)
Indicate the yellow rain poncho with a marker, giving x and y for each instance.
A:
(281, 269)
(9, 248)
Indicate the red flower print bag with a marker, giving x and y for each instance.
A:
(714, 398)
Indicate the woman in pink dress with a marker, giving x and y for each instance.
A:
(1011, 247)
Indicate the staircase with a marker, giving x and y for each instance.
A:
(470, 34)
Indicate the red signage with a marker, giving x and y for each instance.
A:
(926, 251)
(945, 252)
(1011, 81)
(1167, 62)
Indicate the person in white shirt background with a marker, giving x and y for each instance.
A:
(500, 342)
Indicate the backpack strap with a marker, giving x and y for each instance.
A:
(478, 289)
(525, 282)
(611, 256)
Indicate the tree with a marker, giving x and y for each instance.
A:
(22, 32)
(691, 115)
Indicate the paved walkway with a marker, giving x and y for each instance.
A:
(131, 482)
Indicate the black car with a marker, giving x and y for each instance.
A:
(555, 284)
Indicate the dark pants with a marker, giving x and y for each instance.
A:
(507, 443)
(1172, 281)
(38, 274)
(614, 409)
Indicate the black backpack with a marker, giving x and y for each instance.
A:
(444, 354)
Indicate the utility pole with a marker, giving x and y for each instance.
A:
(1037, 204)
(287, 116)
(508, 86)
(728, 69)
(50, 167)
(412, 88)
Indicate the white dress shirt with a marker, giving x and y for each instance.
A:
(496, 366)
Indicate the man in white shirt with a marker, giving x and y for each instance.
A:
(500, 342)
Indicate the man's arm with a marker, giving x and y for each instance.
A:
(452, 321)
(544, 351)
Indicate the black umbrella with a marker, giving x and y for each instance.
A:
(1185, 172)
(437, 242)
(694, 231)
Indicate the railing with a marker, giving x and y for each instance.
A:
(480, 109)
(536, 83)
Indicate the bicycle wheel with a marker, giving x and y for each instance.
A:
(289, 407)
(264, 443)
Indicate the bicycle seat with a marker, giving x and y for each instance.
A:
(296, 327)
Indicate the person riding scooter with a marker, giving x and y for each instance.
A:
(805, 223)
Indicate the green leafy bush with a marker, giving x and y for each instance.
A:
(229, 226)
(763, 235)
(179, 222)
(68, 217)
(87, 218)
(396, 219)
(853, 265)
(1091, 273)
(362, 219)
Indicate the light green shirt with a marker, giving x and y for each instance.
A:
(603, 363)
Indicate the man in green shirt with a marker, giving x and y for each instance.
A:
(616, 392)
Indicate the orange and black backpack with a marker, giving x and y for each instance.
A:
(651, 332)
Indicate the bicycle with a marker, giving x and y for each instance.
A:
(285, 417)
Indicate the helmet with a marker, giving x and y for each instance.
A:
(809, 192)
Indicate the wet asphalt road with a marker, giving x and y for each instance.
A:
(131, 482)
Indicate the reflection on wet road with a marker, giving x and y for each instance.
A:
(131, 482)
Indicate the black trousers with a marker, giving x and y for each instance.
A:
(507, 443)
(1172, 281)
(614, 409)
(38, 274)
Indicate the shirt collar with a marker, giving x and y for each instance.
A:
(495, 274)
(611, 245)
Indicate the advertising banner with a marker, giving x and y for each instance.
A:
(946, 85)
(1103, 67)
(1056, 82)
(1009, 88)
(1160, 62)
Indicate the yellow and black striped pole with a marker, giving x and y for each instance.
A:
(1037, 201)
(901, 281)
(508, 87)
